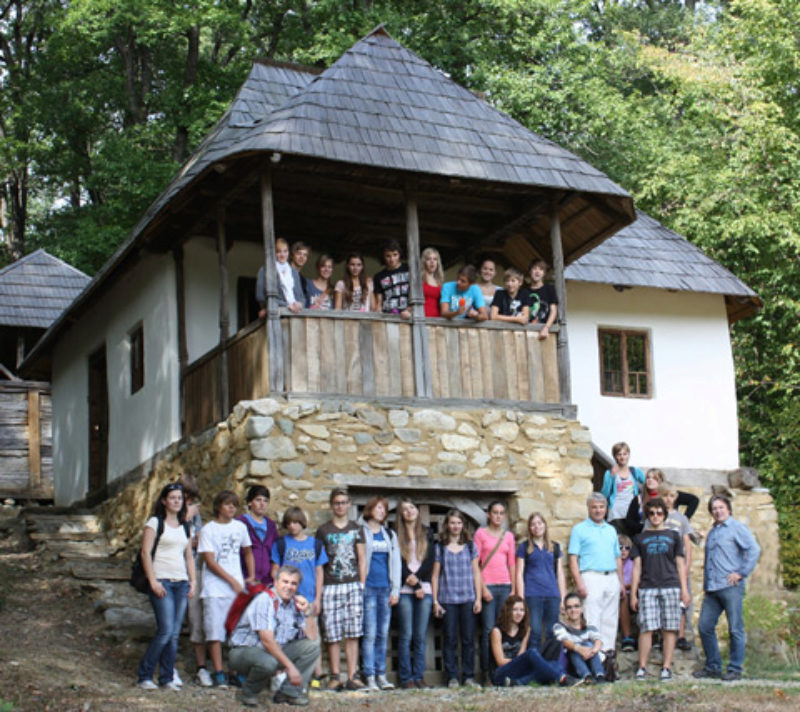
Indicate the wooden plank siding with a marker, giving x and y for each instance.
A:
(26, 440)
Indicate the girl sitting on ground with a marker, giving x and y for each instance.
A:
(581, 641)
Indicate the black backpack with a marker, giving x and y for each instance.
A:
(138, 577)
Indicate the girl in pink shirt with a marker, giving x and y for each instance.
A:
(496, 557)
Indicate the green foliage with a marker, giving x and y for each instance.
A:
(772, 633)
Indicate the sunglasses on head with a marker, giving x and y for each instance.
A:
(174, 486)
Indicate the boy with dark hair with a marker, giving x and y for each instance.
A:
(659, 586)
(262, 531)
(221, 541)
(463, 299)
(343, 588)
(544, 300)
(300, 254)
(391, 286)
(512, 304)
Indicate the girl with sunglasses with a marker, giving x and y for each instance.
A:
(581, 641)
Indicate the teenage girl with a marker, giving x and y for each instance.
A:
(320, 289)
(417, 552)
(432, 278)
(621, 486)
(486, 275)
(540, 579)
(354, 292)
(171, 575)
(581, 641)
(513, 662)
(456, 584)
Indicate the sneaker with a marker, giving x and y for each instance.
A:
(706, 674)
(472, 683)
(409, 685)
(384, 684)
(600, 679)
(176, 678)
(247, 700)
(372, 686)
(236, 679)
(353, 684)
(281, 698)
(146, 685)
(334, 685)
(277, 680)
(666, 675)
(683, 644)
(172, 685)
(731, 676)
(588, 680)
(641, 674)
(452, 683)
(508, 682)
(628, 645)
(220, 679)
(204, 678)
(569, 681)
(422, 685)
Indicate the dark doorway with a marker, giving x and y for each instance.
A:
(98, 426)
(246, 304)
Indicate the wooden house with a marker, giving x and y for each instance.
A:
(380, 145)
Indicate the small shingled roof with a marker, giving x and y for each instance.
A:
(648, 254)
(36, 289)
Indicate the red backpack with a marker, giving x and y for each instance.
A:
(242, 601)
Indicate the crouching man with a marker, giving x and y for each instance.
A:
(269, 636)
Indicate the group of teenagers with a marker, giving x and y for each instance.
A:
(342, 585)
(473, 295)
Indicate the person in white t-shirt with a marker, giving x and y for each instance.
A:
(168, 562)
(221, 541)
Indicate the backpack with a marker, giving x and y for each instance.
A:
(242, 601)
(138, 578)
(281, 547)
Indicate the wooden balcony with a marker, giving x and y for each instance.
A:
(370, 356)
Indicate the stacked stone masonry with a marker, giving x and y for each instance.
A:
(302, 449)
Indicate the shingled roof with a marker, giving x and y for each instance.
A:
(648, 254)
(35, 289)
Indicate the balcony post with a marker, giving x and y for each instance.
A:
(419, 333)
(224, 313)
(274, 336)
(183, 350)
(562, 343)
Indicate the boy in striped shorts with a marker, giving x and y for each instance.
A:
(659, 585)
(343, 589)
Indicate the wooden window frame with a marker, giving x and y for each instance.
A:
(136, 341)
(623, 334)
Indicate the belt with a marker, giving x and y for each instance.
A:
(604, 573)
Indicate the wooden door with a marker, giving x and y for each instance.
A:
(98, 421)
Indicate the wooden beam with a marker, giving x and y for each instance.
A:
(419, 334)
(517, 225)
(274, 336)
(34, 441)
(224, 313)
(562, 343)
(8, 374)
(183, 350)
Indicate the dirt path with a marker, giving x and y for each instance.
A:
(56, 655)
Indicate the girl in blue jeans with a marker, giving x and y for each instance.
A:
(168, 563)
(581, 641)
(512, 661)
(417, 551)
(381, 591)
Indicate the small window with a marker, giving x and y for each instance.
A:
(625, 363)
(137, 358)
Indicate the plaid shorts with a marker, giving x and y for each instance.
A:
(342, 611)
(659, 609)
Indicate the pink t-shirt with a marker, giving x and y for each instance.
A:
(498, 570)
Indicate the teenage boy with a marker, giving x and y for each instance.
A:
(544, 300)
(659, 586)
(512, 304)
(392, 284)
(463, 298)
(343, 588)
(290, 283)
(300, 254)
(309, 556)
(221, 542)
(262, 532)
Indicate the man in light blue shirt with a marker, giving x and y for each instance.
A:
(596, 566)
(731, 555)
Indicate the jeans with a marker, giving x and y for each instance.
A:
(163, 647)
(528, 667)
(489, 612)
(459, 621)
(377, 615)
(584, 668)
(544, 612)
(730, 600)
(413, 616)
(258, 666)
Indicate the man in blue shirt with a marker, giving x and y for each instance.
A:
(596, 566)
(731, 555)
(463, 299)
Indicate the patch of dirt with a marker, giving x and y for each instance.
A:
(55, 654)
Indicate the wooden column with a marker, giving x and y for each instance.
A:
(274, 337)
(183, 350)
(419, 332)
(20, 351)
(34, 441)
(565, 386)
(224, 313)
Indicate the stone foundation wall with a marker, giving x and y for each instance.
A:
(302, 449)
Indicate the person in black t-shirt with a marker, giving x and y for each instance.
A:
(392, 284)
(544, 300)
(512, 303)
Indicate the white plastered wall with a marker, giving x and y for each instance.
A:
(691, 420)
(142, 423)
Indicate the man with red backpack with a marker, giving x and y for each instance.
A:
(270, 635)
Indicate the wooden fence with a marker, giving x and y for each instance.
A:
(26, 440)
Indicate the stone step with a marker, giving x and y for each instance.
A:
(39, 536)
(63, 523)
(115, 594)
(77, 550)
(91, 570)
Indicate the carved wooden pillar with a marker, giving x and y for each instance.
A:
(224, 313)
(562, 343)
(183, 350)
(419, 333)
(274, 337)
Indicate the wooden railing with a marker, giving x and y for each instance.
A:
(370, 355)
